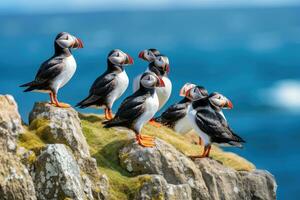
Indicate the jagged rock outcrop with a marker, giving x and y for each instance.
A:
(15, 181)
(57, 175)
(10, 123)
(207, 178)
(156, 187)
(57, 155)
(57, 125)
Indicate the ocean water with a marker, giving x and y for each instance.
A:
(252, 56)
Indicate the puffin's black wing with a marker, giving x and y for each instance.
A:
(213, 124)
(129, 111)
(46, 73)
(174, 113)
(100, 90)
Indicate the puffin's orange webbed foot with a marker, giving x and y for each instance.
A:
(143, 142)
(62, 105)
(154, 123)
(55, 102)
(147, 137)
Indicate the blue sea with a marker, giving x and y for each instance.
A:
(251, 55)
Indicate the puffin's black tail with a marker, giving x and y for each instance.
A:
(90, 100)
(237, 141)
(114, 122)
(31, 86)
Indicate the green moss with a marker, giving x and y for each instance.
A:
(104, 146)
(42, 129)
(29, 140)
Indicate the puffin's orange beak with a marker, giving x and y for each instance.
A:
(228, 104)
(187, 93)
(78, 44)
(129, 60)
(161, 83)
(142, 55)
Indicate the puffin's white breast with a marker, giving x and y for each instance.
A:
(183, 125)
(151, 107)
(164, 93)
(122, 82)
(192, 117)
(66, 73)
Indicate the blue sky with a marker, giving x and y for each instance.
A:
(7, 6)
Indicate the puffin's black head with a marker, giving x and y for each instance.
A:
(149, 54)
(162, 63)
(220, 101)
(118, 57)
(66, 40)
(151, 80)
(193, 92)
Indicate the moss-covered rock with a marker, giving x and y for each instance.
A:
(85, 136)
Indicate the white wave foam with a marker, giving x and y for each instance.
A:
(285, 94)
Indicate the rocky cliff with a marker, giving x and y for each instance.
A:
(62, 154)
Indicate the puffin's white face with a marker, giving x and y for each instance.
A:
(220, 101)
(118, 57)
(196, 93)
(147, 55)
(151, 80)
(162, 62)
(66, 40)
(185, 88)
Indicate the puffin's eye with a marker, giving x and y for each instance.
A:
(148, 53)
(117, 54)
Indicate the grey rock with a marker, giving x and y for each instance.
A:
(166, 161)
(207, 178)
(63, 126)
(15, 181)
(57, 175)
(156, 187)
(10, 123)
(227, 183)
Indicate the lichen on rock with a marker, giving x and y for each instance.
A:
(15, 181)
(63, 126)
(57, 175)
(59, 126)
(155, 187)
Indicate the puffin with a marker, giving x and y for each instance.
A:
(175, 116)
(57, 71)
(209, 122)
(149, 55)
(159, 64)
(109, 87)
(137, 109)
